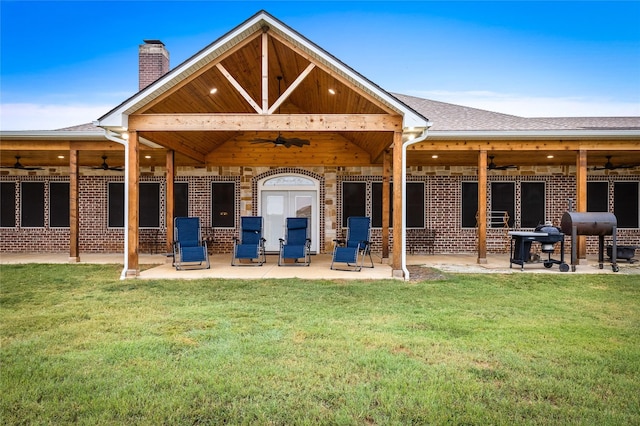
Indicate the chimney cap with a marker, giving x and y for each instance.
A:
(153, 42)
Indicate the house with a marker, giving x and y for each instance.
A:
(264, 122)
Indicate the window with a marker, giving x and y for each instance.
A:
(32, 206)
(376, 204)
(59, 204)
(180, 199)
(415, 205)
(625, 204)
(149, 196)
(7, 204)
(532, 203)
(502, 200)
(223, 202)
(469, 204)
(115, 211)
(354, 200)
(597, 196)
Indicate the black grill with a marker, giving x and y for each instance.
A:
(548, 236)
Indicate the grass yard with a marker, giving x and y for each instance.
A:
(80, 346)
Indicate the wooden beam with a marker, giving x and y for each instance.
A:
(482, 207)
(133, 205)
(291, 88)
(170, 178)
(247, 97)
(265, 71)
(396, 263)
(386, 195)
(74, 207)
(581, 195)
(28, 145)
(261, 122)
(520, 145)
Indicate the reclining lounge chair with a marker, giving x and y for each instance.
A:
(356, 247)
(294, 248)
(189, 249)
(248, 248)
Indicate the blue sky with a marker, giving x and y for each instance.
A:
(67, 63)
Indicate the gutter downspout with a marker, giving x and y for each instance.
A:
(112, 137)
(403, 249)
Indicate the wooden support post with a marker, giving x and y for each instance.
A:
(396, 263)
(170, 177)
(482, 207)
(581, 194)
(74, 207)
(386, 213)
(133, 156)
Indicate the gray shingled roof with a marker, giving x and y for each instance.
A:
(451, 117)
(595, 123)
(86, 127)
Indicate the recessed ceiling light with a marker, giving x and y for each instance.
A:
(434, 156)
(549, 156)
(61, 157)
(147, 156)
(213, 91)
(332, 92)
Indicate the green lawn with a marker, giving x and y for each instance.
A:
(80, 346)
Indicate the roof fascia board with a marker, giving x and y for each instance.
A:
(52, 135)
(535, 134)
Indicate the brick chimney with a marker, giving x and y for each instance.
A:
(153, 62)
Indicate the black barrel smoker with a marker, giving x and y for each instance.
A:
(590, 223)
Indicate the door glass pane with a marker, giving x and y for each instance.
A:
(273, 208)
(303, 206)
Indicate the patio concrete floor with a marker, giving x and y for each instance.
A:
(159, 266)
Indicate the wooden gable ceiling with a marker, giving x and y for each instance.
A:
(295, 86)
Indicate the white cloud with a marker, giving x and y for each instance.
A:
(30, 116)
(533, 106)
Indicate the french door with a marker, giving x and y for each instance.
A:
(277, 205)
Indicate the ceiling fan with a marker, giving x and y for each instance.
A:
(105, 166)
(286, 142)
(610, 166)
(494, 166)
(19, 166)
(281, 140)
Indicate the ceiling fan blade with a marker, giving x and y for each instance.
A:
(19, 166)
(295, 141)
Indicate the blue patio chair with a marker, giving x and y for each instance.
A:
(249, 246)
(189, 249)
(356, 246)
(296, 244)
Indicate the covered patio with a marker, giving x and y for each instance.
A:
(421, 267)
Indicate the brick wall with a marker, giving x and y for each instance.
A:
(442, 233)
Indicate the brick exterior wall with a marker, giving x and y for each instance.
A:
(443, 232)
